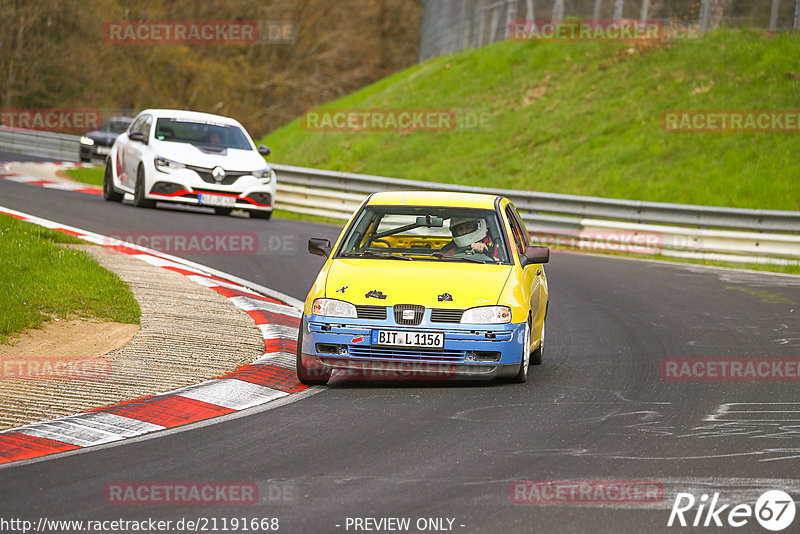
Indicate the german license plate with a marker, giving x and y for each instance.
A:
(405, 338)
(102, 150)
(216, 200)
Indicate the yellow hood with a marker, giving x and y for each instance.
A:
(416, 282)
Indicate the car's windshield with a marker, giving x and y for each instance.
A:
(115, 126)
(426, 233)
(206, 134)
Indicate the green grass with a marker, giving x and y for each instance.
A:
(584, 118)
(87, 175)
(42, 279)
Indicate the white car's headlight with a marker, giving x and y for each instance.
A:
(333, 308)
(86, 141)
(164, 163)
(265, 174)
(487, 315)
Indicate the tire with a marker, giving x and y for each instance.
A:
(309, 377)
(109, 193)
(223, 211)
(260, 214)
(522, 374)
(536, 356)
(138, 196)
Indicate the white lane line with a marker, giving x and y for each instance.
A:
(232, 393)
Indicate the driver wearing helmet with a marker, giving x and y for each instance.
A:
(473, 234)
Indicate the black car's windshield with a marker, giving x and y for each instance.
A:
(115, 126)
(206, 134)
(426, 233)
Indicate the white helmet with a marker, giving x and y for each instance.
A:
(472, 236)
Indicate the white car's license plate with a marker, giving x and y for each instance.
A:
(102, 150)
(216, 200)
(404, 338)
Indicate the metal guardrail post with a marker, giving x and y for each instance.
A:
(618, 5)
(773, 16)
(596, 12)
(645, 10)
(705, 15)
(796, 25)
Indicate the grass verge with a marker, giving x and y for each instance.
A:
(87, 175)
(584, 119)
(42, 279)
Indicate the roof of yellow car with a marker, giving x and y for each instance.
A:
(446, 199)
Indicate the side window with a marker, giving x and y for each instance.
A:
(526, 237)
(148, 123)
(518, 242)
(137, 124)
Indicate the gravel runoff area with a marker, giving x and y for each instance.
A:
(189, 333)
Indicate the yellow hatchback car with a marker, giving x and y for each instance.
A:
(425, 285)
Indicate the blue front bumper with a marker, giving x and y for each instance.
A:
(470, 350)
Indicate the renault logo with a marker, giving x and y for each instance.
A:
(218, 173)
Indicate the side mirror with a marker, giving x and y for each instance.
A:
(136, 136)
(264, 150)
(319, 247)
(535, 255)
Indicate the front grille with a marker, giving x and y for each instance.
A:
(440, 315)
(421, 355)
(416, 308)
(205, 175)
(377, 313)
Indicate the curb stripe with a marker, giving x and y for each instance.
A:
(271, 376)
(169, 411)
(267, 317)
(16, 446)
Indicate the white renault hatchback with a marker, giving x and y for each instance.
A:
(191, 158)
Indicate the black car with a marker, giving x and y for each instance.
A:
(98, 143)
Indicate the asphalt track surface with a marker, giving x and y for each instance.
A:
(597, 409)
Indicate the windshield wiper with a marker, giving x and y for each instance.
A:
(441, 256)
(369, 253)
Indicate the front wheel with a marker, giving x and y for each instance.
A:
(139, 200)
(109, 193)
(315, 375)
(522, 375)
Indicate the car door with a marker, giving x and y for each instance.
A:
(533, 275)
(135, 150)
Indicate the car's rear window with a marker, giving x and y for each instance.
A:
(208, 134)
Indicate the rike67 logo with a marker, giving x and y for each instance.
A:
(774, 510)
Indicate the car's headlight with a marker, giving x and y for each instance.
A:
(86, 141)
(487, 315)
(164, 163)
(265, 174)
(333, 308)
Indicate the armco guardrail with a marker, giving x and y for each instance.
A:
(46, 144)
(587, 223)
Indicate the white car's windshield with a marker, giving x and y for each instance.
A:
(206, 134)
(426, 233)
